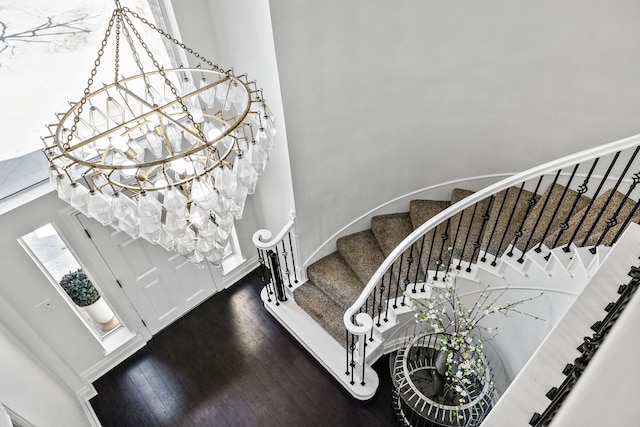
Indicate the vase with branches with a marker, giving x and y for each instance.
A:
(462, 332)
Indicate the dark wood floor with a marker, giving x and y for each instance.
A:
(229, 363)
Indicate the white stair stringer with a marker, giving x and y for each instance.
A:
(321, 345)
(526, 394)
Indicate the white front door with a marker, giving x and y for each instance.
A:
(161, 285)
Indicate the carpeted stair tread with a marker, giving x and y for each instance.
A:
(334, 277)
(390, 230)
(541, 217)
(467, 227)
(609, 201)
(362, 252)
(421, 211)
(507, 212)
(322, 309)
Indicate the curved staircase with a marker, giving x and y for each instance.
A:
(549, 229)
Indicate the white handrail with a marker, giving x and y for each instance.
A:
(432, 223)
(262, 238)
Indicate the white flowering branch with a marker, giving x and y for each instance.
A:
(458, 327)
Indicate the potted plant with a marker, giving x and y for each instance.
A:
(82, 292)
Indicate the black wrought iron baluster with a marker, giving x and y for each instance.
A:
(364, 358)
(587, 210)
(626, 222)
(476, 245)
(581, 190)
(380, 306)
(530, 204)
(287, 272)
(454, 241)
(373, 305)
(445, 237)
(293, 259)
(495, 225)
(506, 229)
(538, 249)
(395, 300)
(407, 279)
(347, 347)
(386, 315)
(613, 220)
(419, 265)
(353, 360)
(433, 239)
(276, 274)
(466, 237)
(264, 274)
(540, 214)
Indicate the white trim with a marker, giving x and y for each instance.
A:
(115, 358)
(433, 192)
(25, 196)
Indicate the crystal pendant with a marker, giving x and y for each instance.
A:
(175, 137)
(115, 111)
(258, 158)
(202, 193)
(237, 97)
(208, 97)
(225, 181)
(99, 207)
(167, 240)
(245, 173)
(191, 101)
(63, 185)
(186, 243)
(78, 196)
(222, 91)
(125, 210)
(198, 216)
(221, 205)
(175, 202)
(264, 141)
(84, 130)
(98, 119)
(203, 246)
(154, 142)
(197, 258)
(175, 225)
(237, 203)
(150, 214)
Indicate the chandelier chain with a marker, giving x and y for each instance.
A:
(117, 56)
(173, 40)
(87, 89)
(160, 69)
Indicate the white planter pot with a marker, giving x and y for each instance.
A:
(102, 314)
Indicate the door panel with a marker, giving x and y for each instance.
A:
(161, 285)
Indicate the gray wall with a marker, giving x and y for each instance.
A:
(385, 97)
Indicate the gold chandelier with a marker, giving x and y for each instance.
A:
(168, 155)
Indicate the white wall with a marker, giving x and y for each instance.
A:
(383, 98)
(31, 390)
(237, 34)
